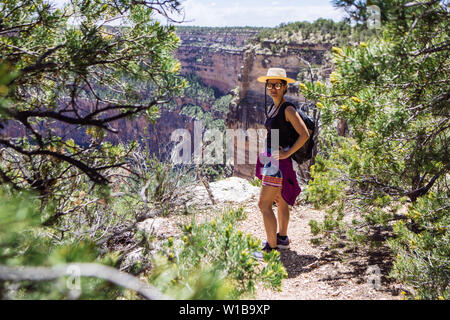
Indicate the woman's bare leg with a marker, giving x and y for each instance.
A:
(267, 196)
(283, 215)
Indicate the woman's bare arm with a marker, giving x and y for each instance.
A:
(294, 118)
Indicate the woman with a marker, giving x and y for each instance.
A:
(274, 167)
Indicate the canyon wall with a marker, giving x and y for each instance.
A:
(247, 111)
(224, 60)
(214, 55)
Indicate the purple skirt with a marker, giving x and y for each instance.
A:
(289, 186)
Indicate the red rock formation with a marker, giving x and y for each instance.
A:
(248, 110)
(224, 61)
(215, 55)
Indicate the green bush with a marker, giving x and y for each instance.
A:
(422, 248)
(213, 260)
(24, 242)
(256, 182)
(391, 92)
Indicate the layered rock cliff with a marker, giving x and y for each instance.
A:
(247, 111)
(223, 59)
(215, 55)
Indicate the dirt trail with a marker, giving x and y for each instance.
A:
(319, 273)
(313, 272)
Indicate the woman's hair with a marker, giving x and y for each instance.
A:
(284, 82)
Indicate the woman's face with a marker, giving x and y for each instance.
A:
(272, 86)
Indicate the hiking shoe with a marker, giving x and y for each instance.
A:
(266, 249)
(282, 244)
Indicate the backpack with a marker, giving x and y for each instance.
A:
(305, 152)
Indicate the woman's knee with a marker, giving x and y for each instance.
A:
(281, 202)
(261, 204)
(264, 205)
(266, 198)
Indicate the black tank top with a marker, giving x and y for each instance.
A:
(286, 130)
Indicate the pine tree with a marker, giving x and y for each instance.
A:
(393, 91)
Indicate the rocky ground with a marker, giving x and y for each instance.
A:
(314, 272)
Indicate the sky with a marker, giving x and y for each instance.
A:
(257, 13)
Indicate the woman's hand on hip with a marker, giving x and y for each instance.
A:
(280, 155)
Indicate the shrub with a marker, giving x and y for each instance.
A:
(422, 248)
(215, 251)
(24, 242)
(391, 93)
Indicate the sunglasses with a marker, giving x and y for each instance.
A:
(277, 86)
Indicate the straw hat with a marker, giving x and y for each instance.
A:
(275, 73)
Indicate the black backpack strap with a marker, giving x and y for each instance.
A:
(309, 122)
